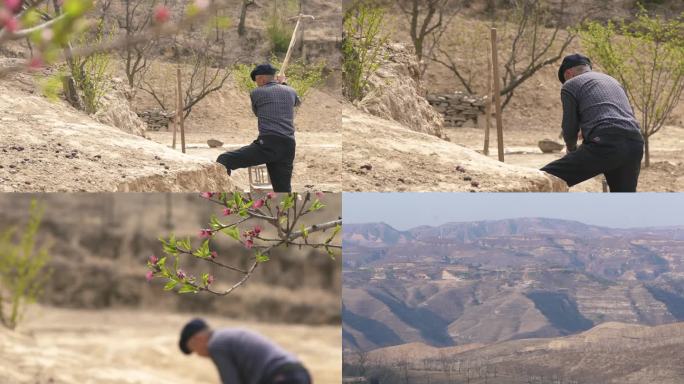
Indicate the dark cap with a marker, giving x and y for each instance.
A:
(572, 61)
(263, 69)
(189, 330)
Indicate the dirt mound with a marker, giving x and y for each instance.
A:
(396, 93)
(49, 146)
(382, 155)
(115, 110)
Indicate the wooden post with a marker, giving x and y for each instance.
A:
(497, 95)
(179, 110)
(488, 106)
(175, 121)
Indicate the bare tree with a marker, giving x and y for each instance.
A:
(243, 16)
(136, 18)
(428, 20)
(533, 46)
(206, 72)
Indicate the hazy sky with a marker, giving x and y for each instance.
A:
(408, 210)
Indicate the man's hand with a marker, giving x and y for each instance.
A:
(281, 79)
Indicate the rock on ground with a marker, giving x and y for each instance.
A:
(47, 146)
(381, 155)
(396, 93)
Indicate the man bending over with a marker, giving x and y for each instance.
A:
(242, 356)
(596, 107)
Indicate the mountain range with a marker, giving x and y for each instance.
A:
(496, 281)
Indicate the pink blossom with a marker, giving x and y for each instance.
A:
(257, 229)
(249, 244)
(227, 211)
(214, 254)
(270, 195)
(13, 5)
(258, 203)
(36, 63)
(205, 233)
(320, 194)
(207, 195)
(162, 14)
(154, 259)
(202, 4)
(149, 276)
(180, 274)
(210, 279)
(9, 22)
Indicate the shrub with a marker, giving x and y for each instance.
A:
(22, 268)
(300, 76)
(361, 47)
(91, 73)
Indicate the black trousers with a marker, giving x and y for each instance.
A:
(277, 152)
(289, 374)
(617, 157)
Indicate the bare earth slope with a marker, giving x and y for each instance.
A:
(63, 346)
(404, 160)
(47, 146)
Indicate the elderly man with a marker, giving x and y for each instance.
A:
(273, 104)
(596, 107)
(242, 356)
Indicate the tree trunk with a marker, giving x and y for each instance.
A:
(243, 16)
(647, 153)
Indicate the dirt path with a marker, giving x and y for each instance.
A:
(61, 346)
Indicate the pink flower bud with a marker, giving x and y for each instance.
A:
(13, 5)
(180, 274)
(154, 259)
(258, 203)
(249, 244)
(270, 195)
(214, 254)
(210, 279)
(257, 230)
(162, 14)
(149, 276)
(320, 194)
(227, 212)
(207, 195)
(205, 233)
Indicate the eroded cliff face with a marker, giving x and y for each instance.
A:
(395, 93)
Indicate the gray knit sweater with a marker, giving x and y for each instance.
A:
(596, 104)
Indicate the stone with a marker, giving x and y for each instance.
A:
(550, 146)
(213, 143)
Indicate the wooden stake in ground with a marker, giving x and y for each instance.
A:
(175, 121)
(497, 95)
(488, 106)
(179, 110)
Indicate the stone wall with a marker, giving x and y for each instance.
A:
(156, 119)
(458, 108)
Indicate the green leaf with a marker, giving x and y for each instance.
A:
(187, 288)
(261, 257)
(232, 231)
(170, 285)
(214, 223)
(203, 251)
(315, 206)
